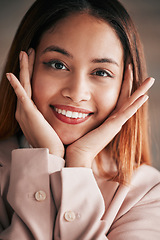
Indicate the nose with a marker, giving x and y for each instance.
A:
(77, 89)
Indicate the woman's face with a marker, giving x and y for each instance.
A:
(77, 75)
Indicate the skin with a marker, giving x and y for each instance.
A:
(77, 87)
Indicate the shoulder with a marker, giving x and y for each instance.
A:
(138, 212)
(146, 170)
(146, 183)
(144, 190)
(6, 147)
(145, 178)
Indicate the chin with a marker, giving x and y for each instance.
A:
(68, 140)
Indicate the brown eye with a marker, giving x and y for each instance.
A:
(58, 65)
(55, 64)
(102, 73)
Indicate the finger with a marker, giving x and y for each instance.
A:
(126, 86)
(24, 72)
(19, 90)
(131, 110)
(114, 124)
(31, 58)
(108, 130)
(141, 91)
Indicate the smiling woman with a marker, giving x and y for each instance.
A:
(79, 77)
(72, 108)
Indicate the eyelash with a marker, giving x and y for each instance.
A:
(108, 74)
(50, 64)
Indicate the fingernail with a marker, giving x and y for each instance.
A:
(29, 51)
(146, 97)
(8, 76)
(152, 80)
(130, 66)
(20, 55)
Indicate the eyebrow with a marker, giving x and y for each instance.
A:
(105, 60)
(54, 48)
(57, 49)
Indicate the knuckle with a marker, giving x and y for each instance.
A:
(22, 99)
(16, 87)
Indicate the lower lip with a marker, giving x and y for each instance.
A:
(69, 120)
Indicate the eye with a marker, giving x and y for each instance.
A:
(102, 73)
(56, 64)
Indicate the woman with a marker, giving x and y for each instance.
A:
(75, 120)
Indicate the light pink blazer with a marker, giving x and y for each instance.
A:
(43, 200)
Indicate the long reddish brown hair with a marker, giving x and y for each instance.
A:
(130, 147)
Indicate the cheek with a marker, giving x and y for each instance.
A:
(42, 88)
(108, 98)
(37, 93)
(40, 91)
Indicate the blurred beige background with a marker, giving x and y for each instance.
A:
(146, 15)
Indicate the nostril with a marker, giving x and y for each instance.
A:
(76, 92)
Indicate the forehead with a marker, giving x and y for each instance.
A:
(85, 33)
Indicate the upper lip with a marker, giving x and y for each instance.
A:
(72, 109)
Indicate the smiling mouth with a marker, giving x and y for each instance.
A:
(75, 116)
(71, 114)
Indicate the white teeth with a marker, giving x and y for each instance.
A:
(71, 114)
(63, 112)
(74, 114)
(80, 115)
(59, 111)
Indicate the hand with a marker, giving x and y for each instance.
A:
(36, 129)
(82, 152)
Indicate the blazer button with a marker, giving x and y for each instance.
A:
(40, 196)
(69, 216)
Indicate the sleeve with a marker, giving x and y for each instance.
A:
(142, 221)
(79, 204)
(29, 195)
